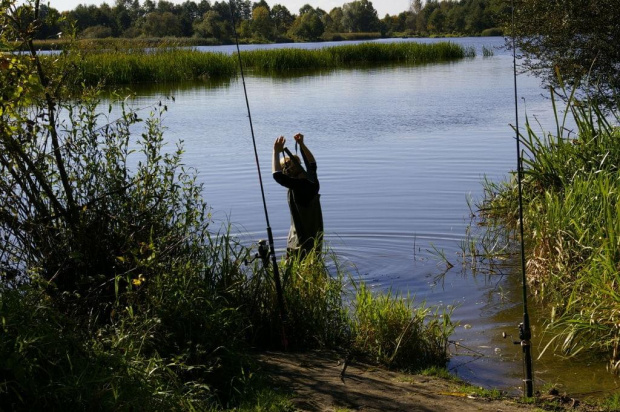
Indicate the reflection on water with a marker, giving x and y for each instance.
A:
(400, 150)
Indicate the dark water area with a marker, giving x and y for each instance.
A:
(401, 150)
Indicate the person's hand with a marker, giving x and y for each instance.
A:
(299, 138)
(278, 145)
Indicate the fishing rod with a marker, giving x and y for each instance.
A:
(525, 332)
(262, 247)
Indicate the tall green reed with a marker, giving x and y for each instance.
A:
(393, 331)
(571, 191)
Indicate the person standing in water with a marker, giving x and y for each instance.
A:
(306, 232)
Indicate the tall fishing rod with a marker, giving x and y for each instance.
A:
(525, 332)
(272, 251)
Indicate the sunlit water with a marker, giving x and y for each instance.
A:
(399, 151)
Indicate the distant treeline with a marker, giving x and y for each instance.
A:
(259, 22)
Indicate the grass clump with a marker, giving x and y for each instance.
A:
(571, 195)
(393, 332)
(153, 66)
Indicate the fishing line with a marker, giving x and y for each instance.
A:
(272, 252)
(525, 333)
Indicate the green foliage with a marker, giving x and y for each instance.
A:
(394, 332)
(611, 403)
(344, 56)
(308, 26)
(571, 195)
(359, 16)
(159, 66)
(316, 313)
(258, 22)
(576, 37)
(495, 31)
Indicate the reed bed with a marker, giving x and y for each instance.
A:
(164, 65)
(158, 66)
(487, 51)
(571, 192)
(410, 52)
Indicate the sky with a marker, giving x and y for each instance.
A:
(383, 7)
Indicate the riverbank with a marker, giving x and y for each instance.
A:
(315, 382)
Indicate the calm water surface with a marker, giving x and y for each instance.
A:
(399, 151)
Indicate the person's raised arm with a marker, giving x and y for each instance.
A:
(299, 138)
(278, 147)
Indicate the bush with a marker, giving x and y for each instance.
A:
(96, 32)
(495, 31)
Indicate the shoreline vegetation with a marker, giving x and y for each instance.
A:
(129, 66)
(571, 203)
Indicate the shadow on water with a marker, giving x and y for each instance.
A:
(279, 76)
(171, 89)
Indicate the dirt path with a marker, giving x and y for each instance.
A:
(315, 379)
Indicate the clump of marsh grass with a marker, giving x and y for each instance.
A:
(571, 200)
(391, 330)
(315, 315)
(487, 51)
(152, 66)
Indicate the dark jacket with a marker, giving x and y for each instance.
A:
(305, 207)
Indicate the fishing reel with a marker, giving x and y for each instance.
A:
(524, 335)
(263, 253)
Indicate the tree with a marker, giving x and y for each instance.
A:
(262, 24)
(282, 18)
(336, 20)
(158, 24)
(87, 16)
(211, 26)
(456, 19)
(306, 8)
(577, 39)
(415, 6)
(360, 16)
(436, 21)
(74, 218)
(307, 26)
(261, 3)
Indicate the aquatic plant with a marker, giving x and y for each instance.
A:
(132, 66)
(393, 331)
(571, 203)
(154, 66)
(487, 51)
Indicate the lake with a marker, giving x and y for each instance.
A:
(400, 150)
